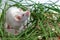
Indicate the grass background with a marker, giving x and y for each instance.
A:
(45, 23)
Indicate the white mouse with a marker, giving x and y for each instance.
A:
(16, 19)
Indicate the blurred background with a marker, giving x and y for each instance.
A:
(41, 1)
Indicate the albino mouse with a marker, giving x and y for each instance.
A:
(16, 19)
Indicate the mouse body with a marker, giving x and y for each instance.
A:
(16, 18)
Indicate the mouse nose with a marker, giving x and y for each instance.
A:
(18, 17)
(27, 13)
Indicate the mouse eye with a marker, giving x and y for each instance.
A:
(22, 14)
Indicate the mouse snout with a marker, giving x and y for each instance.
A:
(27, 13)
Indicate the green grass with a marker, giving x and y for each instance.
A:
(41, 24)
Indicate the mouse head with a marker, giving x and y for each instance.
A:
(23, 15)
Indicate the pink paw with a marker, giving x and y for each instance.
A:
(16, 32)
(8, 26)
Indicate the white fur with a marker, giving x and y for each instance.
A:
(10, 18)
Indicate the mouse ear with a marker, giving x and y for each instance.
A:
(18, 17)
(27, 13)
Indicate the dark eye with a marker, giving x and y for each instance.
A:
(22, 14)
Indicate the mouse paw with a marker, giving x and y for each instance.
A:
(16, 32)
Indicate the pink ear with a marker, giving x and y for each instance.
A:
(28, 13)
(18, 17)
